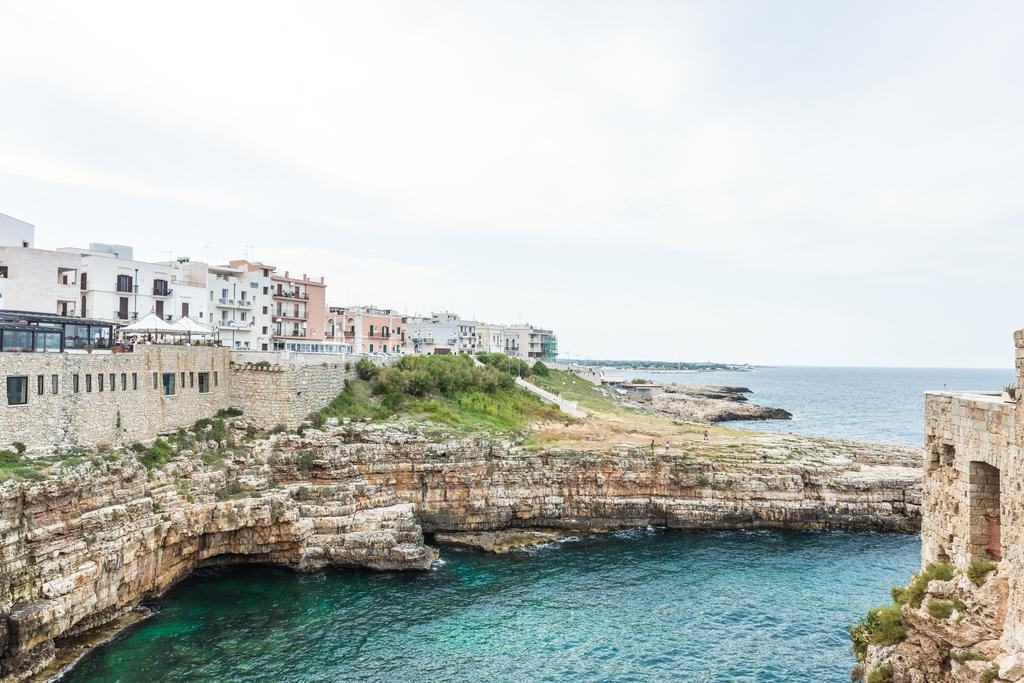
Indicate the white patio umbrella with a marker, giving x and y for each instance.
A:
(194, 327)
(152, 324)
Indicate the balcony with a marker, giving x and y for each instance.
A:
(287, 316)
(236, 324)
(290, 295)
(125, 315)
(235, 303)
(162, 291)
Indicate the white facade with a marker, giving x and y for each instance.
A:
(39, 280)
(115, 287)
(490, 338)
(427, 336)
(241, 306)
(16, 233)
(465, 331)
(528, 342)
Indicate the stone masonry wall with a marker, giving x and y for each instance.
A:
(961, 429)
(132, 409)
(285, 394)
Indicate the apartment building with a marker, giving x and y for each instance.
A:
(241, 304)
(465, 331)
(299, 309)
(114, 286)
(490, 338)
(367, 329)
(427, 336)
(530, 343)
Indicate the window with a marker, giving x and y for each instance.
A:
(168, 384)
(264, 310)
(204, 382)
(183, 380)
(17, 340)
(384, 348)
(135, 381)
(3, 272)
(159, 308)
(74, 383)
(371, 330)
(266, 290)
(40, 383)
(156, 380)
(99, 380)
(371, 346)
(191, 379)
(124, 381)
(17, 391)
(88, 382)
(264, 329)
(54, 384)
(124, 283)
(122, 308)
(113, 381)
(184, 310)
(216, 378)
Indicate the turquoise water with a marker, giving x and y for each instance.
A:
(880, 405)
(645, 605)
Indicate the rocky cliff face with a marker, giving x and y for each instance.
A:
(93, 540)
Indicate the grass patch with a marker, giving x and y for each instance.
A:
(14, 466)
(882, 674)
(978, 571)
(990, 674)
(230, 491)
(914, 593)
(449, 390)
(942, 609)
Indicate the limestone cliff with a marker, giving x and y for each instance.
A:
(94, 539)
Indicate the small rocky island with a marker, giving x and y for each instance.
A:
(699, 403)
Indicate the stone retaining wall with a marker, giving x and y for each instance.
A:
(285, 394)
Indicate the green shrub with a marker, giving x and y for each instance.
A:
(880, 626)
(232, 489)
(978, 571)
(158, 453)
(940, 609)
(366, 369)
(19, 447)
(540, 369)
(914, 593)
(882, 674)
(508, 365)
(990, 674)
(229, 412)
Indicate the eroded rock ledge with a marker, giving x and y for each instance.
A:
(82, 549)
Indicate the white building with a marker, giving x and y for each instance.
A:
(465, 331)
(34, 279)
(530, 343)
(114, 286)
(16, 233)
(241, 305)
(490, 338)
(428, 336)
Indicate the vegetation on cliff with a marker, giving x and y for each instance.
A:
(449, 390)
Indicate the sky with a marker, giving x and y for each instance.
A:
(801, 183)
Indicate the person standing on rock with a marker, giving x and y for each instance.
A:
(705, 433)
(652, 445)
(666, 446)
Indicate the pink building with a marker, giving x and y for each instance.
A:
(367, 329)
(299, 309)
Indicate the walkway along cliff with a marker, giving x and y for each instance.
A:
(91, 535)
(962, 617)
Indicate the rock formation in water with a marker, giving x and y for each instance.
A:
(89, 543)
(699, 403)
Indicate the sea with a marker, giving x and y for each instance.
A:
(879, 405)
(640, 605)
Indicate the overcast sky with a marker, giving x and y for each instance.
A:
(836, 183)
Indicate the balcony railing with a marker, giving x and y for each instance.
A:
(129, 315)
(291, 295)
(236, 324)
(162, 291)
